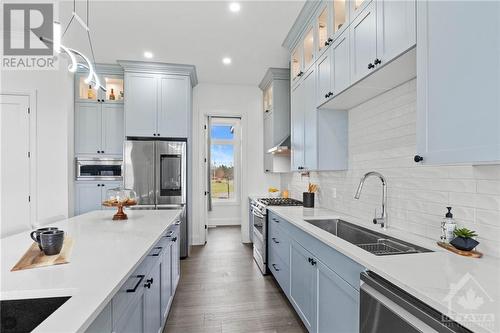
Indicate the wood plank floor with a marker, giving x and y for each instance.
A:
(222, 290)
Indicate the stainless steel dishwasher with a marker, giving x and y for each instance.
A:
(386, 308)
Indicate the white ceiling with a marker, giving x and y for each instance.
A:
(189, 32)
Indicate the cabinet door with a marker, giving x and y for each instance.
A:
(308, 48)
(310, 122)
(176, 260)
(396, 28)
(341, 78)
(303, 285)
(175, 106)
(323, 28)
(297, 130)
(88, 197)
(363, 36)
(166, 279)
(458, 102)
(141, 104)
(324, 78)
(296, 67)
(268, 131)
(338, 302)
(152, 301)
(87, 128)
(133, 320)
(112, 129)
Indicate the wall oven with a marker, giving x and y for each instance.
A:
(259, 229)
(98, 168)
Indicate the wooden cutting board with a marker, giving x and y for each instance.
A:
(34, 258)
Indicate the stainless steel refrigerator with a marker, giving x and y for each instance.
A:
(157, 172)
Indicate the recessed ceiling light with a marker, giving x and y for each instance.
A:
(226, 61)
(148, 55)
(234, 7)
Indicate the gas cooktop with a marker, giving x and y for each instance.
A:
(280, 202)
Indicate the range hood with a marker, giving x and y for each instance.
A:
(283, 148)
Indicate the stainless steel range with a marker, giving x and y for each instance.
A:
(258, 209)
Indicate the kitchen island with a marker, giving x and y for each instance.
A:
(104, 255)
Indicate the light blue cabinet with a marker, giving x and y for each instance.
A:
(158, 99)
(141, 104)
(458, 83)
(89, 195)
(98, 129)
(133, 320)
(337, 302)
(176, 263)
(166, 277)
(303, 284)
(321, 283)
(152, 300)
(175, 106)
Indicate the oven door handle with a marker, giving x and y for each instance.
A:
(257, 213)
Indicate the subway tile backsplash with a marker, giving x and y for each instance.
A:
(382, 137)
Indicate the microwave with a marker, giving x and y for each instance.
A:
(99, 168)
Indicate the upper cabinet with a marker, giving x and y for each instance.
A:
(276, 108)
(158, 99)
(458, 82)
(354, 41)
(99, 115)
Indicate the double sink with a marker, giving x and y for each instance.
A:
(369, 240)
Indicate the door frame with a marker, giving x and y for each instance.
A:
(243, 171)
(32, 103)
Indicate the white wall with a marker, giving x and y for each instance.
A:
(382, 137)
(230, 100)
(53, 102)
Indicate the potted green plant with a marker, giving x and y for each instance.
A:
(463, 239)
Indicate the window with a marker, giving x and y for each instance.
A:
(224, 159)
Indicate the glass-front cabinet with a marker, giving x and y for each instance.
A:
(322, 28)
(308, 48)
(268, 99)
(296, 68)
(340, 15)
(357, 7)
(113, 83)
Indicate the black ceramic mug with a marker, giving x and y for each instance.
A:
(35, 235)
(52, 241)
(308, 199)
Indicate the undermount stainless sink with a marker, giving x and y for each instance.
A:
(371, 241)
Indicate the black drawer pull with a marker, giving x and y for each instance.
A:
(174, 239)
(169, 234)
(178, 222)
(141, 277)
(276, 268)
(276, 220)
(274, 240)
(158, 249)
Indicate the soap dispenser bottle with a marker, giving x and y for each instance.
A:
(448, 226)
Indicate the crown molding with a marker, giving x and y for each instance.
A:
(160, 68)
(273, 73)
(302, 20)
(104, 69)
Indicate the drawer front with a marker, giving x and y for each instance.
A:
(278, 243)
(281, 272)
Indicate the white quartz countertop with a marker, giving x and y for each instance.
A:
(439, 279)
(104, 253)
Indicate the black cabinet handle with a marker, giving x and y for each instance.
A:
(300, 168)
(300, 73)
(267, 111)
(326, 43)
(274, 240)
(98, 151)
(147, 285)
(174, 239)
(169, 234)
(178, 222)
(370, 66)
(418, 158)
(276, 220)
(377, 61)
(157, 253)
(141, 277)
(103, 185)
(330, 94)
(313, 262)
(158, 134)
(326, 95)
(309, 259)
(150, 280)
(275, 268)
(102, 151)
